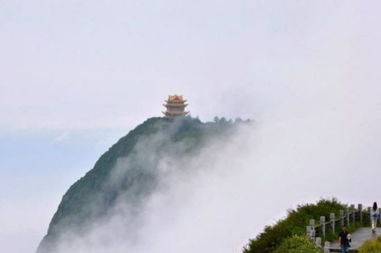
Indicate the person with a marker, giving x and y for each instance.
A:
(343, 240)
(374, 215)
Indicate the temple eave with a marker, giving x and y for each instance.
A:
(175, 105)
(174, 113)
(176, 101)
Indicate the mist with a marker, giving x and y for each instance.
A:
(306, 72)
(217, 199)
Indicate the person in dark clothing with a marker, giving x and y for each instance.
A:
(343, 240)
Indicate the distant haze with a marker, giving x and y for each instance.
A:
(77, 75)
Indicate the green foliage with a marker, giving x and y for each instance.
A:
(297, 244)
(294, 224)
(371, 246)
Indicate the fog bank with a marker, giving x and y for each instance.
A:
(235, 187)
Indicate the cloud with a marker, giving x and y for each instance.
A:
(307, 72)
(98, 65)
(228, 192)
(162, 184)
(63, 137)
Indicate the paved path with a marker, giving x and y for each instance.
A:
(358, 238)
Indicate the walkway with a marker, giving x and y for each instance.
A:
(358, 238)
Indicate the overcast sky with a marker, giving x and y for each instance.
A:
(77, 75)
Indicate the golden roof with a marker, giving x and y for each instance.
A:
(175, 98)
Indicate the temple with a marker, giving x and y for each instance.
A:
(175, 106)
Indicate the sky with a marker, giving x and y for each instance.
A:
(75, 76)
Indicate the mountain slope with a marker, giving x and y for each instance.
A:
(130, 171)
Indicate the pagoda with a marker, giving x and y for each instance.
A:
(175, 106)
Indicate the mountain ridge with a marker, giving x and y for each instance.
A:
(95, 194)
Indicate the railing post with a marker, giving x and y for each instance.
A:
(313, 232)
(353, 214)
(327, 247)
(332, 219)
(318, 242)
(359, 207)
(322, 224)
(342, 217)
(308, 231)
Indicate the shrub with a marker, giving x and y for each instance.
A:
(371, 246)
(297, 244)
(294, 224)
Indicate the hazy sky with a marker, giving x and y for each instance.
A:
(77, 75)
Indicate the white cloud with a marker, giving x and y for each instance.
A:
(96, 65)
(306, 71)
(235, 187)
